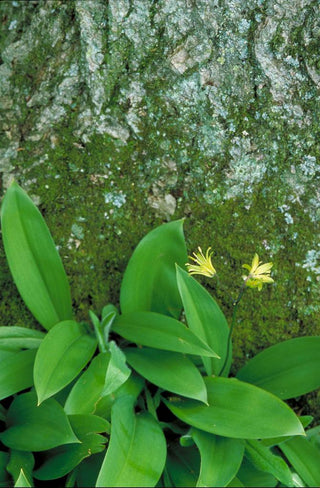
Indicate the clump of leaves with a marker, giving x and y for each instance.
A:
(138, 397)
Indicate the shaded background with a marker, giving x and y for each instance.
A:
(120, 115)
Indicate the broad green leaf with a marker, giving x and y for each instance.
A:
(36, 428)
(265, 460)
(235, 483)
(88, 389)
(137, 450)
(63, 459)
(182, 466)
(221, 458)
(305, 459)
(237, 409)
(205, 319)
(288, 369)
(20, 338)
(20, 467)
(250, 476)
(117, 371)
(161, 332)
(275, 441)
(33, 259)
(65, 350)
(149, 282)
(16, 372)
(170, 370)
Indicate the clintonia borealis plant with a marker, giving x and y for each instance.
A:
(140, 396)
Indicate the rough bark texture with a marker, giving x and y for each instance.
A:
(121, 114)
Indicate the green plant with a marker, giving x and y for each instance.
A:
(139, 398)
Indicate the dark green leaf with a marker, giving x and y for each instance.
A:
(149, 282)
(161, 332)
(250, 476)
(221, 458)
(205, 319)
(237, 409)
(170, 370)
(66, 349)
(288, 369)
(137, 451)
(4, 477)
(36, 428)
(20, 467)
(33, 259)
(182, 466)
(16, 372)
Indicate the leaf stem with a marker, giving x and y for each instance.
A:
(233, 321)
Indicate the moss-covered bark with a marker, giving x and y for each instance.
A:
(120, 115)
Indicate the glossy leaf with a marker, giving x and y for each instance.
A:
(88, 389)
(161, 332)
(33, 259)
(264, 460)
(169, 370)
(117, 371)
(205, 319)
(16, 372)
(63, 459)
(221, 458)
(36, 428)
(237, 409)
(20, 467)
(20, 338)
(305, 459)
(137, 450)
(149, 282)
(288, 369)
(66, 349)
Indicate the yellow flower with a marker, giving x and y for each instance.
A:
(258, 273)
(203, 264)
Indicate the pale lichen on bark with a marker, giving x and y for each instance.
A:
(126, 113)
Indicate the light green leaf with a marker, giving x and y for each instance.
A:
(221, 458)
(161, 332)
(16, 372)
(33, 259)
(20, 338)
(137, 450)
(170, 370)
(117, 371)
(288, 369)
(305, 459)
(22, 480)
(149, 282)
(36, 428)
(237, 409)
(264, 460)
(66, 349)
(205, 319)
(88, 389)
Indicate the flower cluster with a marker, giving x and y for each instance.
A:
(258, 273)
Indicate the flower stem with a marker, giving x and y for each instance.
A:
(233, 321)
